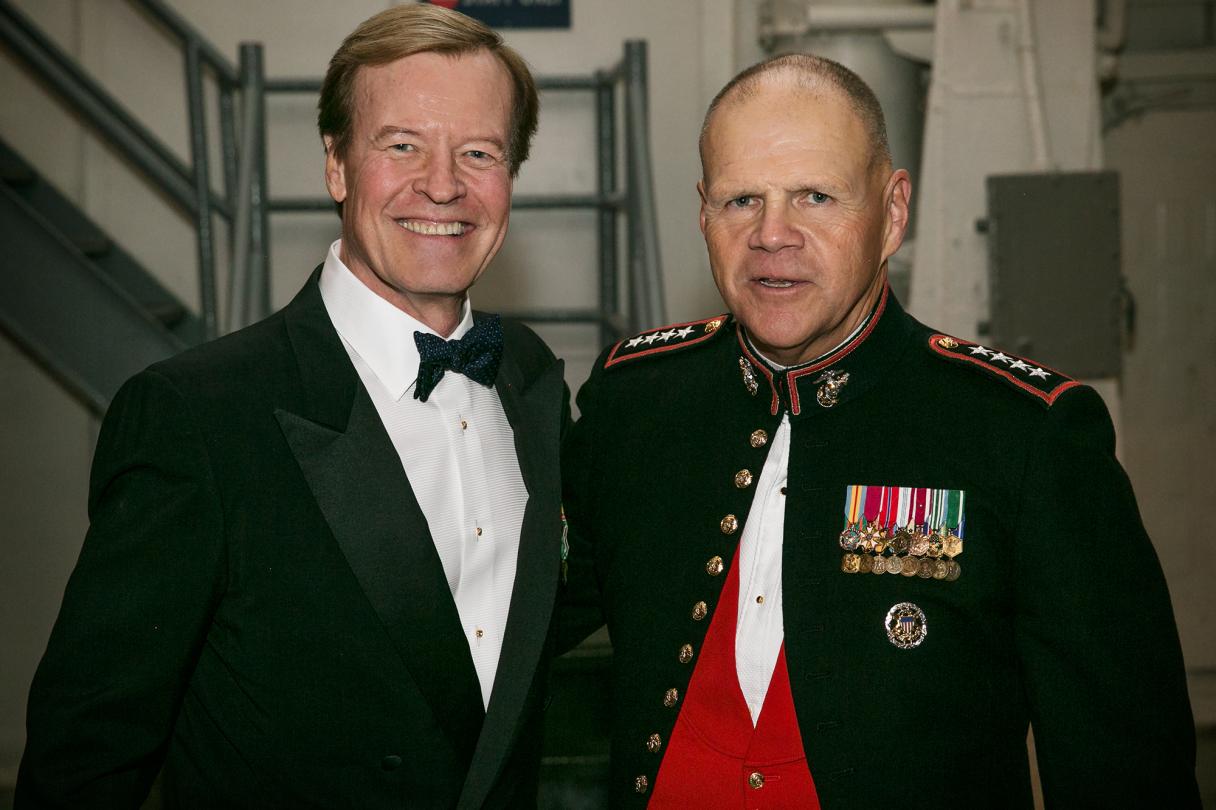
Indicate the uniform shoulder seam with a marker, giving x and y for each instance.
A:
(1040, 381)
(665, 339)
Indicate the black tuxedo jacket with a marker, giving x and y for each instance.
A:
(259, 607)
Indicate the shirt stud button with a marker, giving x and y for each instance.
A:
(755, 780)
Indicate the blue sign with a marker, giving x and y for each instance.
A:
(513, 13)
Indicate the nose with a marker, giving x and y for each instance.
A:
(440, 181)
(775, 229)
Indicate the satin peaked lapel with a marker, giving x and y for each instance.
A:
(535, 414)
(355, 475)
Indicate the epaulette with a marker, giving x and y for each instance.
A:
(665, 339)
(1043, 382)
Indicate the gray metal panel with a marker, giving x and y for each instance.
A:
(79, 324)
(1054, 270)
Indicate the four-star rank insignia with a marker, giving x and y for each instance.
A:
(665, 339)
(1045, 383)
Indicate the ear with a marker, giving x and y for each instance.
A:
(335, 170)
(701, 192)
(896, 200)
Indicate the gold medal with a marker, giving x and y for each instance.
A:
(952, 546)
(911, 566)
(850, 563)
(901, 541)
(865, 563)
(953, 570)
(895, 565)
(879, 566)
(939, 569)
(925, 569)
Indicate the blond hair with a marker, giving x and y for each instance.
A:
(406, 30)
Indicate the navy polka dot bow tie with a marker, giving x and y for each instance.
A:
(476, 356)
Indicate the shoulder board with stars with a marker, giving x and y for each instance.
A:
(1045, 383)
(666, 339)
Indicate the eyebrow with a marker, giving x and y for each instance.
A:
(391, 131)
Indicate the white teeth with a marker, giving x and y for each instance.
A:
(772, 282)
(433, 228)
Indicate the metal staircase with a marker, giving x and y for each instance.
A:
(78, 303)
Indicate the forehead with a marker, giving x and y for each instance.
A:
(780, 127)
(432, 87)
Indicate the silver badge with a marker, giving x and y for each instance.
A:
(906, 625)
(749, 376)
(829, 391)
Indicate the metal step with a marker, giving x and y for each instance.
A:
(110, 259)
(74, 320)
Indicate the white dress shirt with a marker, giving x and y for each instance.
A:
(761, 627)
(457, 449)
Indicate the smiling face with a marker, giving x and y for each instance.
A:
(798, 222)
(424, 181)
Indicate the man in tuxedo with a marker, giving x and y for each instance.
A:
(324, 551)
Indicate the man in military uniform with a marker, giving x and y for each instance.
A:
(844, 559)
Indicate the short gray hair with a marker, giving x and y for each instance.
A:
(812, 73)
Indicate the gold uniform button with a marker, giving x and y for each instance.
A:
(743, 479)
(671, 697)
(760, 599)
(758, 438)
(699, 611)
(685, 653)
(756, 780)
(654, 743)
(714, 567)
(729, 524)
(641, 784)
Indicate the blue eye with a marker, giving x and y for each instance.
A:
(741, 202)
(402, 147)
(818, 197)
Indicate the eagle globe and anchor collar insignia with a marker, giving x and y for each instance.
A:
(665, 339)
(820, 380)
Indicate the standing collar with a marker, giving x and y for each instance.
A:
(378, 332)
(840, 374)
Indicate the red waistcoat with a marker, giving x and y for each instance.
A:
(716, 759)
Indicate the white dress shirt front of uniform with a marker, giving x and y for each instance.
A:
(457, 449)
(761, 626)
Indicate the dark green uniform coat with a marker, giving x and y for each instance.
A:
(1060, 617)
(259, 604)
